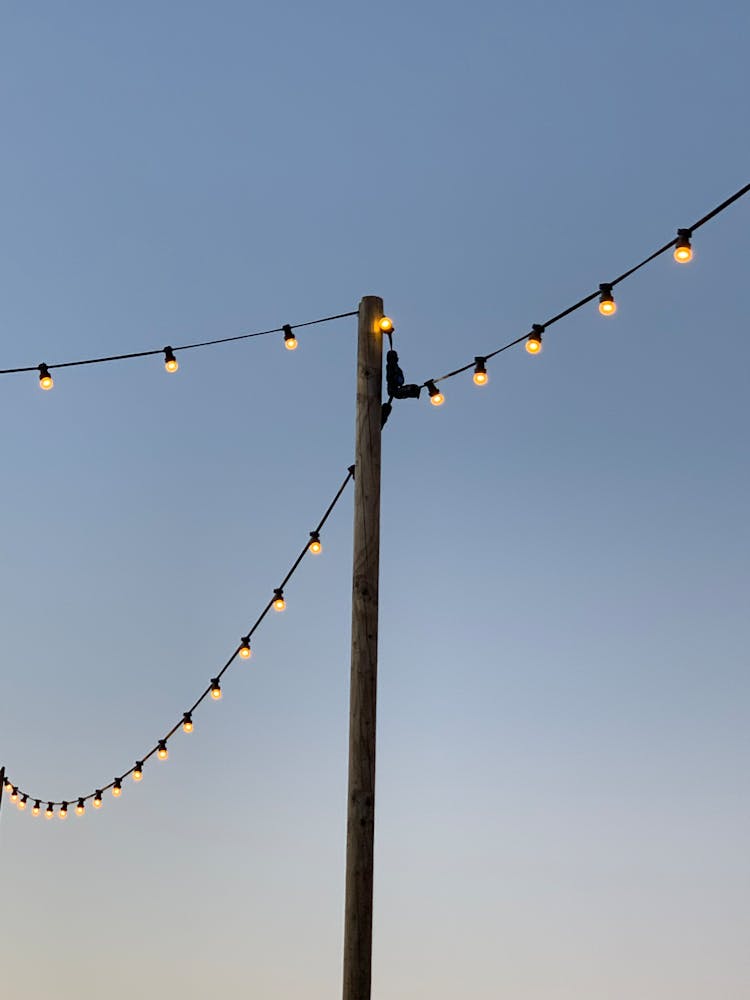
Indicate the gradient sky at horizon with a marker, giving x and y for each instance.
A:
(563, 719)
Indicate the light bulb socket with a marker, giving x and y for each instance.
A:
(278, 594)
(162, 748)
(81, 804)
(44, 372)
(480, 365)
(432, 388)
(683, 240)
(187, 719)
(605, 291)
(289, 339)
(169, 354)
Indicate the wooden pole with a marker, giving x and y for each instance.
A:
(360, 830)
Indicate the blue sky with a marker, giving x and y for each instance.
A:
(563, 752)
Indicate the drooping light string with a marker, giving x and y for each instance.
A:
(213, 690)
(170, 361)
(683, 252)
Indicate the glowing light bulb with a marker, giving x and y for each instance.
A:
(480, 372)
(98, 800)
(290, 341)
(162, 753)
(607, 304)
(683, 252)
(534, 341)
(436, 396)
(37, 808)
(215, 688)
(187, 723)
(386, 324)
(63, 814)
(138, 771)
(170, 361)
(245, 651)
(315, 546)
(45, 379)
(49, 812)
(117, 788)
(8, 786)
(80, 808)
(14, 795)
(22, 803)
(278, 602)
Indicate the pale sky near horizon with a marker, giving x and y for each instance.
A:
(562, 807)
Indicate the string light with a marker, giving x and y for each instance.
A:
(45, 379)
(607, 304)
(63, 814)
(683, 252)
(290, 341)
(22, 803)
(49, 812)
(215, 689)
(138, 771)
(98, 799)
(480, 371)
(8, 786)
(315, 546)
(14, 794)
(162, 753)
(170, 361)
(534, 339)
(37, 808)
(80, 808)
(187, 723)
(278, 602)
(436, 396)
(117, 788)
(245, 651)
(385, 324)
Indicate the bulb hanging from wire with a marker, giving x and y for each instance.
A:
(290, 341)
(385, 324)
(607, 304)
(278, 602)
(14, 794)
(138, 771)
(315, 545)
(37, 808)
(162, 753)
(245, 650)
(170, 361)
(436, 396)
(98, 800)
(8, 786)
(215, 689)
(49, 812)
(80, 808)
(187, 722)
(117, 788)
(683, 252)
(534, 340)
(63, 814)
(22, 803)
(45, 379)
(480, 371)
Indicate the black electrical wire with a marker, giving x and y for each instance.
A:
(593, 295)
(206, 692)
(182, 347)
